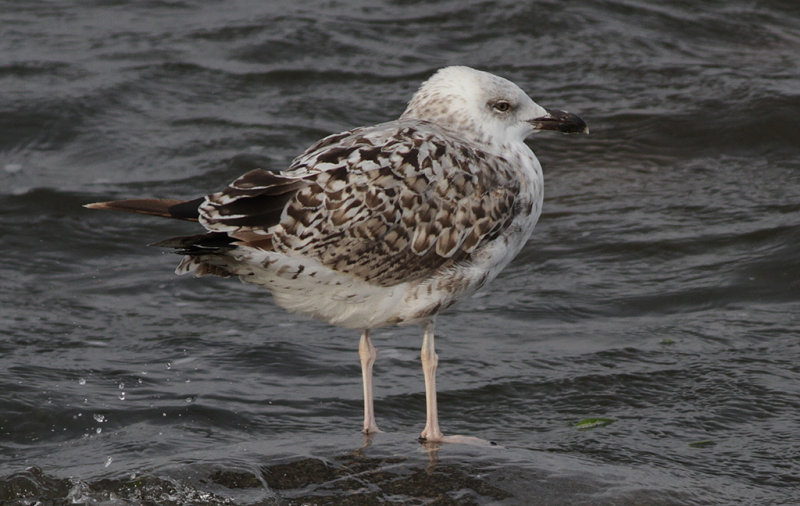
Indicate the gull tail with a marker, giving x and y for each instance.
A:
(166, 208)
(205, 254)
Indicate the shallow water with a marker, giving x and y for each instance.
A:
(660, 292)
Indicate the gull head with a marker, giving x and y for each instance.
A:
(485, 108)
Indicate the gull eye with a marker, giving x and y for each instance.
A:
(502, 106)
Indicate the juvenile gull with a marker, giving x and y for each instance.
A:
(383, 225)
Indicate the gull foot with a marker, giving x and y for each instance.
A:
(465, 440)
(371, 430)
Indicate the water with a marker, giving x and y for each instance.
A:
(661, 290)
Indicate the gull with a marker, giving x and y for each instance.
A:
(383, 225)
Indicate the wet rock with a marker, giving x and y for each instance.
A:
(31, 486)
(236, 479)
(298, 474)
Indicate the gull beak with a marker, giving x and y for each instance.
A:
(562, 121)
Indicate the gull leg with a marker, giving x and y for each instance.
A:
(367, 353)
(431, 432)
(430, 360)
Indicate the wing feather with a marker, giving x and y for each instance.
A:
(386, 207)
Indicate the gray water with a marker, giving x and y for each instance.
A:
(659, 293)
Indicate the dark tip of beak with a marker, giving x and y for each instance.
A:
(562, 121)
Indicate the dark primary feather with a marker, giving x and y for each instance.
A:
(256, 199)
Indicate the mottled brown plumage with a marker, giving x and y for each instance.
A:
(376, 204)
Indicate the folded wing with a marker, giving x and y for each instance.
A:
(386, 209)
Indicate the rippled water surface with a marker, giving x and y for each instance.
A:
(659, 294)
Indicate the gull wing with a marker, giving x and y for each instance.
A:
(388, 205)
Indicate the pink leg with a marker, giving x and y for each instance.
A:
(430, 360)
(367, 353)
(431, 432)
